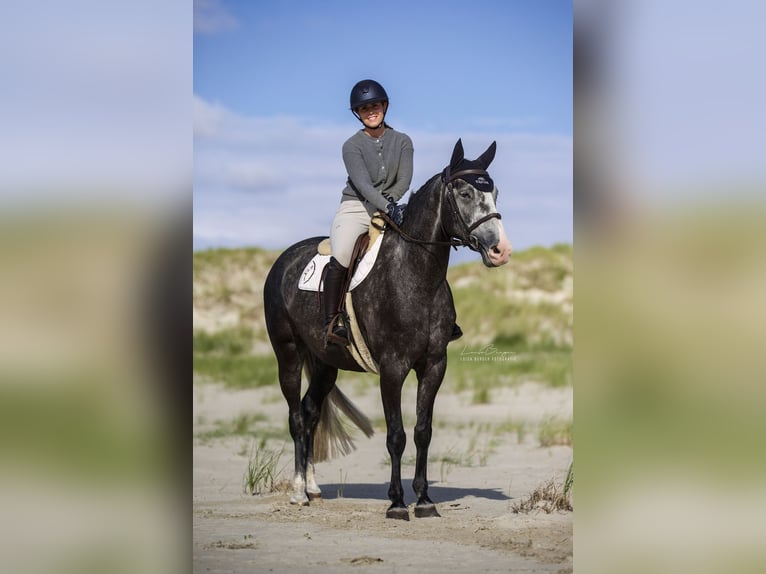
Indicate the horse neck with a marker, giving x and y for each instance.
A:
(422, 221)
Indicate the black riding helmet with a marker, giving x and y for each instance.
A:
(366, 92)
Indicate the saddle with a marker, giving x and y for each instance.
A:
(376, 227)
(361, 247)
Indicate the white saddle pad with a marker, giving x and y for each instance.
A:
(312, 273)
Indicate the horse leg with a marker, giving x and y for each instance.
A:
(290, 364)
(396, 438)
(429, 380)
(322, 380)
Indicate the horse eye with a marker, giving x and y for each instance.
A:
(464, 194)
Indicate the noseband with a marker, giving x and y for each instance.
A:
(468, 240)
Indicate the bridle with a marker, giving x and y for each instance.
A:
(467, 240)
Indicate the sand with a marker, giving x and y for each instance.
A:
(346, 531)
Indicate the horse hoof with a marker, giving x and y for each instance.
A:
(426, 511)
(299, 500)
(315, 495)
(398, 513)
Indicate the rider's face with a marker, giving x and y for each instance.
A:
(372, 114)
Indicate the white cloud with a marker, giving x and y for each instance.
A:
(212, 17)
(208, 117)
(272, 181)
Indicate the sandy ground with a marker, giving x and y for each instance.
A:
(346, 531)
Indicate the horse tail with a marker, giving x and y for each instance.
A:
(332, 438)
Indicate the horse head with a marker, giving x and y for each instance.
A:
(472, 216)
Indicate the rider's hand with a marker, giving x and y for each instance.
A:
(395, 212)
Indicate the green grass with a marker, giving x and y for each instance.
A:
(482, 442)
(262, 472)
(555, 431)
(224, 357)
(476, 453)
(482, 368)
(514, 323)
(223, 257)
(78, 429)
(553, 368)
(526, 305)
(243, 425)
(481, 394)
(229, 342)
(241, 372)
(530, 336)
(519, 428)
(537, 267)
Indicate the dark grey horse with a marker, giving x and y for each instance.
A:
(405, 312)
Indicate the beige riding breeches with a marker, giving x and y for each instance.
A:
(351, 220)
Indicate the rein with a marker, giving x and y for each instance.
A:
(467, 240)
(407, 237)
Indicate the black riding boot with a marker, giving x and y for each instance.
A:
(333, 284)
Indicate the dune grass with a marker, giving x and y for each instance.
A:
(549, 497)
(240, 372)
(486, 367)
(245, 424)
(262, 474)
(517, 322)
(553, 431)
(225, 357)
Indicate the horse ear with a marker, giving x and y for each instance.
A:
(457, 154)
(486, 158)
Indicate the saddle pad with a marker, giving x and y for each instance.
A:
(312, 273)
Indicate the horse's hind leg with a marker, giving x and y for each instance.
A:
(290, 364)
(322, 378)
(430, 378)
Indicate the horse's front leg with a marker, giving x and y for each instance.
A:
(430, 379)
(396, 438)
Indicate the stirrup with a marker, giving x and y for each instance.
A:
(337, 334)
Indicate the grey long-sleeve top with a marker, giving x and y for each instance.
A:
(379, 169)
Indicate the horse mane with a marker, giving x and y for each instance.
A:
(419, 200)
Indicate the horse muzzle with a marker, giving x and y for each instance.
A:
(497, 253)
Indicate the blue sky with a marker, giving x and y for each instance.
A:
(271, 86)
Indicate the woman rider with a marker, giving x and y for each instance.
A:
(378, 160)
